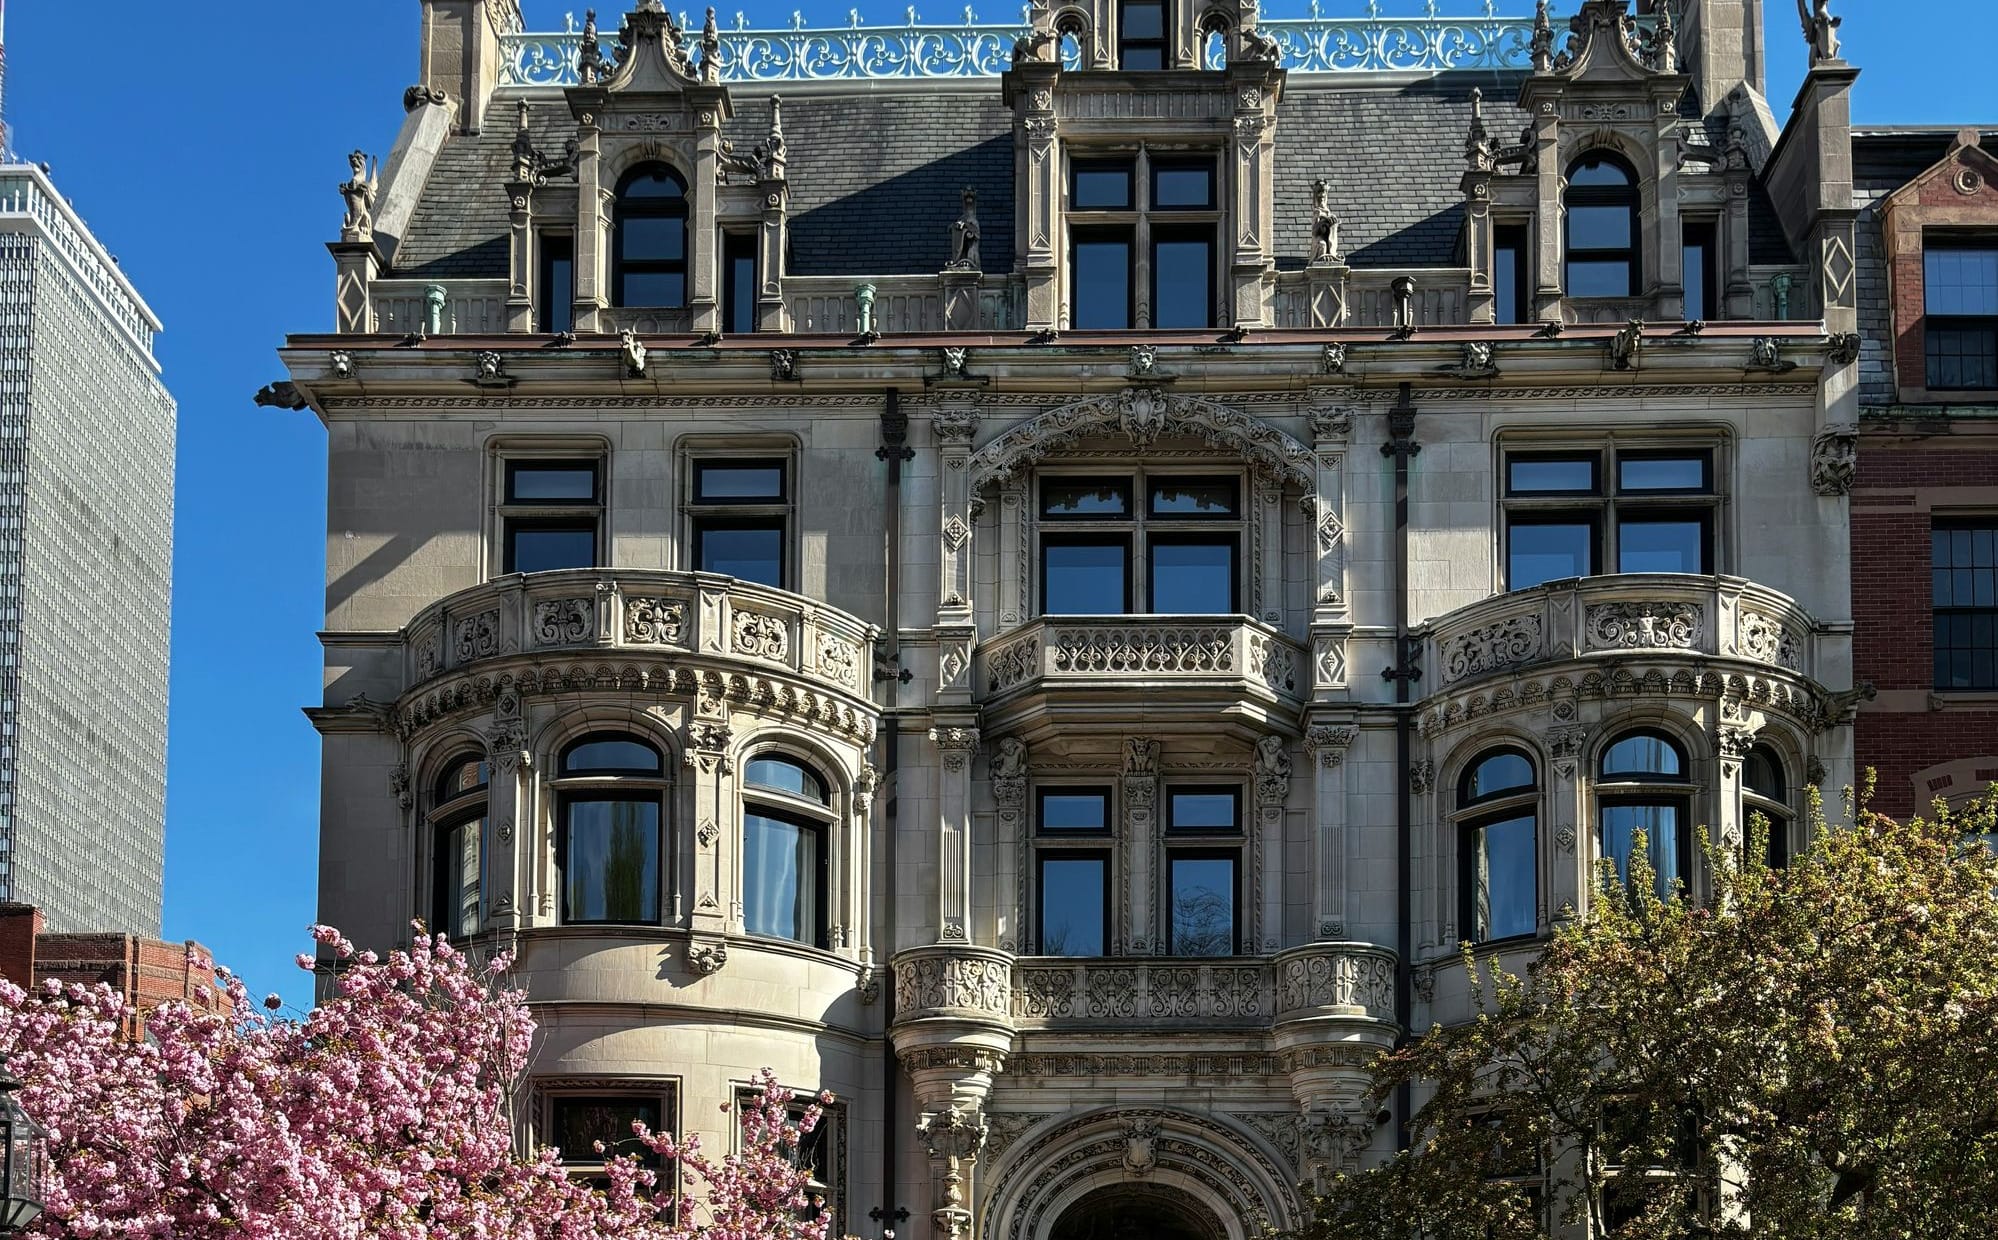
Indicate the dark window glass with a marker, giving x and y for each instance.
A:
(739, 283)
(1701, 251)
(579, 1123)
(1659, 544)
(1141, 26)
(783, 877)
(1960, 281)
(1087, 498)
(1074, 892)
(610, 859)
(784, 775)
(1213, 810)
(1101, 185)
(1511, 278)
(649, 238)
(1597, 171)
(1501, 889)
(1684, 474)
(1085, 576)
(463, 775)
(1182, 186)
(739, 482)
(751, 548)
(458, 874)
(1543, 549)
(1552, 475)
(1590, 278)
(543, 545)
(1502, 772)
(566, 482)
(1194, 497)
(1962, 357)
(1643, 755)
(1074, 811)
(1201, 889)
(1182, 277)
(555, 284)
(1665, 842)
(611, 755)
(1601, 227)
(1762, 774)
(1762, 779)
(1102, 279)
(1960, 293)
(1192, 575)
(1963, 559)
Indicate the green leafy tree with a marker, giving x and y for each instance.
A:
(1810, 1053)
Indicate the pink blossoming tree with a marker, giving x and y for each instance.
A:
(387, 1113)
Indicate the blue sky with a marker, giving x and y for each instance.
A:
(203, 143)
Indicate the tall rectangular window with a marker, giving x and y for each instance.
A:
(1701, 252)
(1510, 275)
(1141, 28)
(1102, 277)
(1142, 249)
(1960, 331)
(1640, 510)
(1203, 830)
(609, 846)
(739, 283)
(740, 509)
(555, 283)
(1963, 566)
(1072, 883)
(550, 514)
(1178, 554)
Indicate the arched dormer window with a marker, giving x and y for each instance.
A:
(1642, 785)
(458, 847)
(609, 822)
(787, 819)
(1498, 808)
(1141, 34)
(1602, 227)
(649, 243)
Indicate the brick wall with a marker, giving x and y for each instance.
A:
(147, 972)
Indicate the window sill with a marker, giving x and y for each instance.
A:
(1962, 699)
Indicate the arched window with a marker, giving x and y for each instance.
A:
(1765, 791)
(1498, 810)
(786, 817)
(1642, 785)
(649, 243)
(609, 835)
(1602, 227)
(458, 806)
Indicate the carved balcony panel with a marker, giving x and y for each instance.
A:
(953, 1018)
(1441, 296)
(1201, 665)
(1063, 993)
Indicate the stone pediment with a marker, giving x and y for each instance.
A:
(648, 68)
(1967, 175)
(1607, 51)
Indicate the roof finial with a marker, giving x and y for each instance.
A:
(710, 49)
(590, 64)
(1479, 149)
(1542, 47)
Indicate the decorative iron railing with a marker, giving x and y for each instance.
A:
(1427, 42)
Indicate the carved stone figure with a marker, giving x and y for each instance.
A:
(1257, 46)
(489, 368)
(1820, 29)
(1661, 51)
(964, 236)
(1272, 759)
(1324, 225)
(591, 67)
(1141, 756)
(359, 193)
(1009, 758)
(1403, 288)
(1835, 460)
(1144, 361)
(1035, 45)
(1141, 1145)
(706, 958)
(710, 50)
(954, 357)
(632, 350)
(1333, 358)
(784, 364)
(1766, 353)
(526, 160)
(1480, 148)
(1623, 346)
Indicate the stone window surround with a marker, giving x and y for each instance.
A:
(1138, 524)
(558, 788)
(1141, 217)
(440, 812)
(697, 449)
(665, 1090)
(1466, 815)
(1906, 225)
(505, 448)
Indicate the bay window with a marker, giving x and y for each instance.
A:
(610, 803)
(1179, 552)
(786, 819)
(1497, 822)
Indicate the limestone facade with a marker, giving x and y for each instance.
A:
(1080, 748)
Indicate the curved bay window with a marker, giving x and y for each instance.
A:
(649, 238)
(1601, 227)
(1498, 818)
(786, 817)
(1643, 786)
(610, 817)
(458, 846)
(1765, 791)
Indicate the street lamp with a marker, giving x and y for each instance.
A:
(23, 1160)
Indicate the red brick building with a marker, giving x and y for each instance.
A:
(148, 972)
(1925, 497)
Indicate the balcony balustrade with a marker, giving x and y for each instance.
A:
(1244, 658)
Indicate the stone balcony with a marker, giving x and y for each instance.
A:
(613, 615)
(1056, 993)
(1211, 667)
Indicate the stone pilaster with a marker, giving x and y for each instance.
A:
(510, 812)
(355, 267)
(1732, 738)
(709, 749)
(1141, 925)
(960, 299)
(1549, 245)
(1041, 192)
(771, 246)
(1272, 791)
(1660, 208)
(1738, 291)
(1266, 601)
(955, 423)
(1325, 292)
(703, 234)
(1008, 772)
(956, 744)
(1482, 305)
(1327, 744)
(1256, 87)
(520, 270)
(1015, 562)
(1565, 848)
(593, 198)
(1334, 1017)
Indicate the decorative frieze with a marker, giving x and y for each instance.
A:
(655, 621)
(945, 981)
(1335, 976)
(1053, 992)
(1491, 648)
(564, 621)
(1665, 625)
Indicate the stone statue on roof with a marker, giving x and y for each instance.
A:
(1324, 225)
(1820, 28)
(964, 236)
(359, 191)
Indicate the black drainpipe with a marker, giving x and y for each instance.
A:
(894, 450)
(1402, 447)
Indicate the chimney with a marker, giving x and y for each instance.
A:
(20, 928)
(1721, 42)
(461, 51)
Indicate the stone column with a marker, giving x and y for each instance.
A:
(1564, 869)
(510, 814)
(771, 247)
(956, 743)
(593, 222)
(520, 276)
(1549, 246)
(1008, 771)
(1039, 210)
(1481, 306)
(355, 267)
(1327, 743)
(1140, 926)
(955, 422)
(703, 236)
(1273, 770)
(717, 908)
(860, 875)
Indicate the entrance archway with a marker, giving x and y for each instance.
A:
(1138, 1212)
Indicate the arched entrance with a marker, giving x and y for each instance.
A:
(1138, 1212)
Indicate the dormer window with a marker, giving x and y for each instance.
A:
(1141, 30)
(649, 247)
(1601, 227)
(1142, 230)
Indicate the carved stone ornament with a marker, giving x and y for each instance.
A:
(1766, 354)
(1144, 361)
(1141, 756)
(564, 621)
(1624, 345)
(706, 958)
(954, 360)
(1564, 838)
(1644, 626)
(1329, 743)
(1272, 768)
(955, 744)
(1820, 29)
(1479, 361)
(868, 984)
(1009, 758)
(1331, 421)
(489, 369)
(399, 785)
(784, 365)
(1332, 359)
(1842, 348)
(655, 621)
(342, 363)
(631, 351)
(1324, 226)
(955, 426)
(1835, 460)
(758, 636)
(358, 191)
(477, 637)
(1141, 1138)
(1733, 742)
(964, 236)
(1421, 776)
(954, 982)
(1492, 648)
